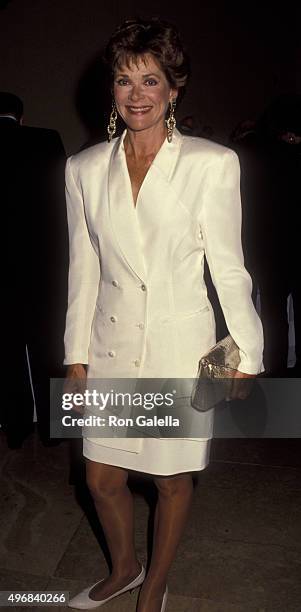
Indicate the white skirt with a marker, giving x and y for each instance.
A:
(162, 457)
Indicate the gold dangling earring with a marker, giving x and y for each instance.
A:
(111, 129)
(171, 121)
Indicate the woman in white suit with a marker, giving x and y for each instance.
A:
(143, 209)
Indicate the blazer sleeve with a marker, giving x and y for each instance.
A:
(220, 223)
(83, 277)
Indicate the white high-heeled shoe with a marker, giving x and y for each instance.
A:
(82, 601)
(164, 601)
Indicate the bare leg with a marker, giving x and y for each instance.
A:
(115, 508)
(175, 495)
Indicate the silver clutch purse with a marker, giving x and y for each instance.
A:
(215, 373)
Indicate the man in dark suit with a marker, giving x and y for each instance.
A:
(271, 167)
(278, 270)
(34, 263)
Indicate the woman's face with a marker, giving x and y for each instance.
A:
(142, 93)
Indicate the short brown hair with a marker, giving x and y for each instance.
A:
(136, 38)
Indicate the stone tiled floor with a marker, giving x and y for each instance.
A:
(242, 546)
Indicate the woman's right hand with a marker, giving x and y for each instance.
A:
(75, 382)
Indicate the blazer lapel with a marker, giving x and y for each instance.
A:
(167, 156)
(133, 228)
(122, 212)
(159, 213)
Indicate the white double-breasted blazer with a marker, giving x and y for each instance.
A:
(138, 304)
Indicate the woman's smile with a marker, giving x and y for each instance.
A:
(138, 110)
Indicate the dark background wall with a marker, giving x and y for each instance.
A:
(243, 54)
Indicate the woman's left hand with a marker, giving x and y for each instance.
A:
(241, 387)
